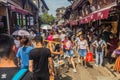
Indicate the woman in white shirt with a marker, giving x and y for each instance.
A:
(83, 48)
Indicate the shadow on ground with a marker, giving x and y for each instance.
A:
(65, 77)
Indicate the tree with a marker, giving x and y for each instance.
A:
(47, 19)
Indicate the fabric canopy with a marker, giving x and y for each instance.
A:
(16, 8)
(95, 16)
(74, 23)
(20, 10)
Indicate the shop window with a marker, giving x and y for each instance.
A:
(24, 22)
(3, 24)
(18, 21)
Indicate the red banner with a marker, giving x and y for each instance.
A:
(74, 23)
(18, 9)
(95, 16)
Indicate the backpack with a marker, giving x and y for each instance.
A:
(19, 75)
(99, 48)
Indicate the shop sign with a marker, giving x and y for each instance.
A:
(31, 21)
(96, 16)
(4, 1)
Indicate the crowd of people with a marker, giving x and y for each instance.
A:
(36, 53)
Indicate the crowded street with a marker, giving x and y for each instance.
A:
(59, 40)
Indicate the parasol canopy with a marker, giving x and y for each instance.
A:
(46, 26)
(21, 33)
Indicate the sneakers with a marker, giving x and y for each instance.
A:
(100, 65)
(96, 65)
(85, 66)
(74, 70)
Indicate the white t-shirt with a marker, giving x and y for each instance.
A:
(83, 44)
(101, 43)
(69, 45)
(62, 36)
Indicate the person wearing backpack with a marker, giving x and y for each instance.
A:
(8, 69)
(99, 45)
(23, 54)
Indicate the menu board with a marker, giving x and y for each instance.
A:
(31, 21)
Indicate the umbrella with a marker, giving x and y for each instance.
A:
(46, 26)
(21, 33)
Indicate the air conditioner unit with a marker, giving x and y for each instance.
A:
(3, 1)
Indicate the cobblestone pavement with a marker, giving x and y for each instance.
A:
(90, 73)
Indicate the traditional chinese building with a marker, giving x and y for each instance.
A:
(17, 14)
(43, 7)
(100, 11)
(60, 12)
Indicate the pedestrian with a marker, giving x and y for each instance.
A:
(116, 54)
(70, 53)
(100, 46)
(76, 45)
(8, 69)
(50, 36)
(41, 61)
(83, 49)
(62, 35)
(17, 42)
(112, 45)
(32, 34)
(23, 54)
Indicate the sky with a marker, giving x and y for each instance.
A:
(54, 4)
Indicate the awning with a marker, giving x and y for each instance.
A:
(21, 11)
(16, 8)
(103, 14)
(74, 23)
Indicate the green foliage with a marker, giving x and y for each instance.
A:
(47, 19)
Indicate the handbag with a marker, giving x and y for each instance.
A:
(89, 57)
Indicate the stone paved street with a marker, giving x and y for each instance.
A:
(91, 73)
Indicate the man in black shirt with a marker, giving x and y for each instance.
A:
(40, 62)
(7, 67)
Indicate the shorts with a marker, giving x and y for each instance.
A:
(82, 52)
(69, 53)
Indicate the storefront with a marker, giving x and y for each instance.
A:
(3, 17)
(18, 16)
(102, 14)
